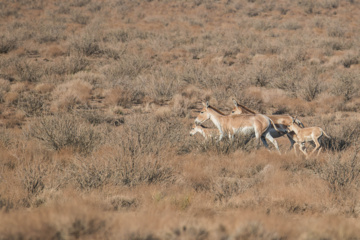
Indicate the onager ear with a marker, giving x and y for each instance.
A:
(207, 104)
(235, 103)
(294, 119)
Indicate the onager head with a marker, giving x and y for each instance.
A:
(294, 126)
(203, 115)
(194, 130)
(240, 109)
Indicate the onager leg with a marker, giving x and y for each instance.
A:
(296, 144)
(273, 141)
(317, 146)
(292, 142)
(264, 142)
(303, 149)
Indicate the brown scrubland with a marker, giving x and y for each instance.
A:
(97, 99)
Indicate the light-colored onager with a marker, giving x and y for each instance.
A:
(204, 131)
(303, 135)
(234, 124)
(281, 121)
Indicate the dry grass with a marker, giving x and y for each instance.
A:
(97, 99)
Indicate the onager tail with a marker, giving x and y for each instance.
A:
(272, 122)
(326, 134)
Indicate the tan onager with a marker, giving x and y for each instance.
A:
(303, 135)
(234, 124)
(204, 131)
(281, 121)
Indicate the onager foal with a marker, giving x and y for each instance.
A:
(303, 135)
(281, 121)
(206, 132)
(233, 124)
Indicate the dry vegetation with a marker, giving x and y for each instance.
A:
(97, 99)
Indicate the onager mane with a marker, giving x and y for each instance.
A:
(246, 109)
(217, 110)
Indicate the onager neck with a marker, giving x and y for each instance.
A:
(296, 128)
(201, 131)
(216, 118)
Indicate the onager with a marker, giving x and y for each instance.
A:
(204, 131)
(281, 121)
(234, 124)
(303, 135)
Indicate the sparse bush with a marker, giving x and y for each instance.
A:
(30, 71)
(7, 43)
(292, 25)
(346, 85)
(49, 32)
(310, 87)
(74, 63)
(243, 142)
(144, 138)
(79, 3)
(69, 95)
(342, 173)
(137, 170)
(4, 88)
(78, 17)
(127, 66)
(255, 230)
(32, 103)
(350, 59)
(123, 97)
(65, 130)
(88, 43)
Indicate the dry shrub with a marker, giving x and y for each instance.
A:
(69, 65)
(343, 135)
(4, 88)
(97, 80)
(245, 142)
(255, 230)
(71, 94)
(350, 59)
(182, 105)
(346, 85)
(44, 88)
(185, 232)
(149, 135)
(76, 221)
(123, 97)
(65, 130)
(128, 66)
(8, 42)
(10, 97)
(311, 86)
(117, 169)
(96, 118)
(49, 32)
(29, 71)
(123, 203)
(160, 89)
(150, 170)
(342, 172)
(6, 138)
(86, 44)
(77, 16)
(32, 103)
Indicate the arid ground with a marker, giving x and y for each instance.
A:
(97, 99)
